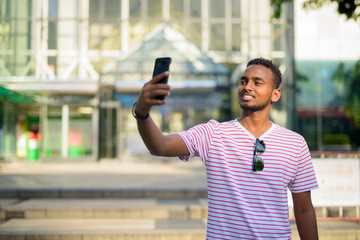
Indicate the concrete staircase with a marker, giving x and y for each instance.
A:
(72, 219)
(106, 200)
(123, 218)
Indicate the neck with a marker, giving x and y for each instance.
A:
(256, 123)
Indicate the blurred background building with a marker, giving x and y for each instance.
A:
(70, 71)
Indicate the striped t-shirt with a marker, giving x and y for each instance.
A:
(243, 204)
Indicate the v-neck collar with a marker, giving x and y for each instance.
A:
(273, 125)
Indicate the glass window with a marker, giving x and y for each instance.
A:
(279, 33)
(52, 140)
(17, 37)
(94, 36)
(217, 8)
(195, 33)
(104, 26)
(104, 36)
(80, 138)
(323, 103)
(135, 8)
(68, 8)
(111, 35)
(154, 8)
(94, 9)
(5, 34)
(53, 9)
(195, 8)
(112, 9)
(9, 129)
(236, 37)
(104, 10)
(137, 32)
(52, 35)
(52, 62)
(236, 9)
(108, 133)
(217, 37)
(67, 35)
(177, 8)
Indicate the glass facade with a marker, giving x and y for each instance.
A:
(327, 80)
(325, 103)
(60, 52)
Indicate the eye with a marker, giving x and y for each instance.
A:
(242, 82)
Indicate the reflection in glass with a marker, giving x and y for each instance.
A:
(135, 8)
(217, 9)
(236, 8)
(217, 37)
(177, 8)
(236, 37)
(154, 8)
(195, 8)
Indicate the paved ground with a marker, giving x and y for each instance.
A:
(58, 181)
(103, 175)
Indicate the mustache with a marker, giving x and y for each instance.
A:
(245, 93)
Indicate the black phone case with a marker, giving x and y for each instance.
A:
(162, 65)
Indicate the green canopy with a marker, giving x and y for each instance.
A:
(12, 96)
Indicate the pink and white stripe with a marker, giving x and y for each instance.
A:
(244, 204)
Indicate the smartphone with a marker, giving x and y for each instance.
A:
(162, 65)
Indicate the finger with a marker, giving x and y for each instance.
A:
(149, 94)
(156, 87)
(157, 78)
(159, 92)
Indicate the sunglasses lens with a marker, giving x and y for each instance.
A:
(259, 164)
(260, 146)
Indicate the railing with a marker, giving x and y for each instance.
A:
(335, 154)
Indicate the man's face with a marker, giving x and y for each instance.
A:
(256, 89)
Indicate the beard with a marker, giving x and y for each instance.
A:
(254, 108)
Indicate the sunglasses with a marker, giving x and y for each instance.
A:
(258, 162)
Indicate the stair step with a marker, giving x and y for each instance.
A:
(131, 219)
(103, 193)
(107, 208)
(140, 229)
(91, 229)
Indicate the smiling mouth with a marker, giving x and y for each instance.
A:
(247, 97)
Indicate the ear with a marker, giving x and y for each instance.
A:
(276, 94)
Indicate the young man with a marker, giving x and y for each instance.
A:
(250, 161)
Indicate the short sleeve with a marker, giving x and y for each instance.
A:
(198, 140)
(305, 179)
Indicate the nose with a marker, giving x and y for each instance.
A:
(248, 86)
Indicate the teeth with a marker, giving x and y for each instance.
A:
(247, 97)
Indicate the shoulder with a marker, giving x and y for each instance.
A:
(214, 125)
(222, 125)
(287, 134)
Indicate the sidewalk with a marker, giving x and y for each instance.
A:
(104, 175)
(141, 200)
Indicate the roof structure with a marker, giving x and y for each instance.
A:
(165, 41)
(190, 67)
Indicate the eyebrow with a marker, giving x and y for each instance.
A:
(254, 78)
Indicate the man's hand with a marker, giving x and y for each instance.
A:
(148, 93)
(156, 142)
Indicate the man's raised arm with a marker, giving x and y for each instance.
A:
(156, 142)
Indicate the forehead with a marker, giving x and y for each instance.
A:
(258, 71)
